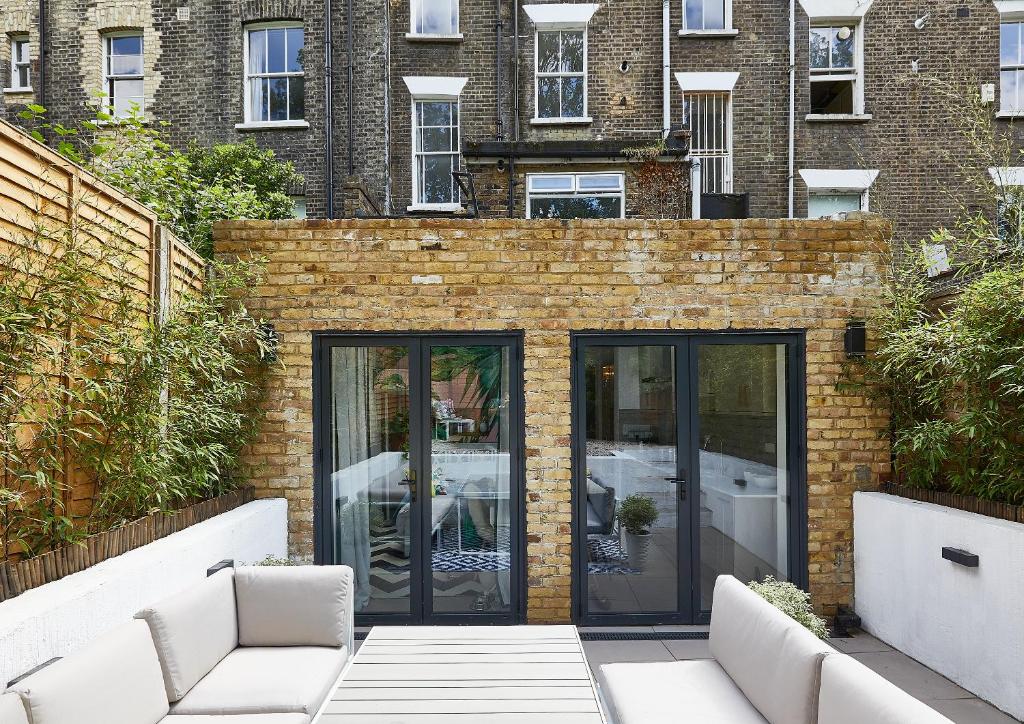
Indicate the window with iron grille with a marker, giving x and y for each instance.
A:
(1011, 67)
(275, 83)
(561, 78)
(20, 63)
(123, 73)
(435, 152)
(708, 118)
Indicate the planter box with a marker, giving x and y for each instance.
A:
(964, 621)
(57, 618)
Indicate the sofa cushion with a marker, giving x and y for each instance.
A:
(851, 693)
(261, 680)
(294, 605)
(775, 661)
(12, 709)
(114, 680)
(668, 692)
(193, 630)
(236, 719)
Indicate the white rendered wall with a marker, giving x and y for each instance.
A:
(60, 617)
(966, 623)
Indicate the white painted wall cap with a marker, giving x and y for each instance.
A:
(561, 15)
(838, 179)
(1007, 175)
(835, 9)
(707, 81)
(434, 86)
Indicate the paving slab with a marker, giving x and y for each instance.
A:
(697, 649)
(914, 678)
(971, 711)
(860, 643)
(606, 652)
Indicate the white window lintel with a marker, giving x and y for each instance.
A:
(834, 179)
(437, 87)
(1007, 175)
(561, 16)
(1010, 9)
(836, 9)
(707, 82)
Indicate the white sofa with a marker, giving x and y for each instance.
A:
(765, 668)
(261, 645)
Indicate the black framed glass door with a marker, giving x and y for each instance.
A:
(687, 465)
(419, 474)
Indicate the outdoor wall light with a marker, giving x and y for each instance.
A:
(855, 339)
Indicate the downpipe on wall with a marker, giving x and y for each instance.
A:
(792, 101)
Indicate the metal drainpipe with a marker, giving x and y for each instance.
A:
(350, 46)
(515, 110)
(666, 64)
(792, 100)
(499, 134)
(41, 97)
(328, 111)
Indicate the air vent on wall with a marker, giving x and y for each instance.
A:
(184, 13)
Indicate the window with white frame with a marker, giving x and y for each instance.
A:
(1009, 183)
(575, 196)
(123, 73)
(275, 83)
(831, 192)
(1011, 67)
(20, 63)
(435, 17)
(435, 152)
(835, 69)
(708, 118)
(707, 15)
(824, 204)
(561, 74)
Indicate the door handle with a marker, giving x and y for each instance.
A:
(680, 485)
(411, 483)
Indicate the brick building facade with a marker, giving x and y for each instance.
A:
(890, 120)
(553, 286)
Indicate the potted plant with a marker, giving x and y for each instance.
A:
(636, 515)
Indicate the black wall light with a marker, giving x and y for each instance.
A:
(855, 339)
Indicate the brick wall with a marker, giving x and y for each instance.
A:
(548, 278)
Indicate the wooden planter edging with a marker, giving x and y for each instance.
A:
(991, 508)
(16, 578)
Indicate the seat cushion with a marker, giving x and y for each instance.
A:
(264, 680)
(114, 680)
(236, 719)
(774, 661)
(12, 709)
(193, 631)
(668, 692)
(294, 605)
(852, 693)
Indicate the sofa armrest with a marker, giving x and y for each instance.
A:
(294, 605)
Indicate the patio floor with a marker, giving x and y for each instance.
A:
(934, 689)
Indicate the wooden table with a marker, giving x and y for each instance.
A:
(479, 674)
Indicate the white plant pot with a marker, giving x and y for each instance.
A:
(636, 549)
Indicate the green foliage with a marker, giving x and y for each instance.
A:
(189, 190)
(637, 513)
(793, 602)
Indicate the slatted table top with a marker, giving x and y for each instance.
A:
(479, 674)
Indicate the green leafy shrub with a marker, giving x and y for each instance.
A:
(793, 602)
(637, 513)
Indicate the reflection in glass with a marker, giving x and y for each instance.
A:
(469, 484)
(630, 450)
(744, 477)
(369, 411)
(576, 207)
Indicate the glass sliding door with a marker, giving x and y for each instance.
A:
(420, 475)
(743, 428)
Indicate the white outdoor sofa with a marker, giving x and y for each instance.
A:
(260, 645)
(766, 668)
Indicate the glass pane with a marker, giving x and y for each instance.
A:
(127, 96)
(276, 50)
(296, 99)
(576, 207)
(842, 49)
(600, 182)
(470, 514)
(550, 183)
(22, 80)
(833, 96)
(819, 47)
(436, 17)
(435, 113)
(694, 10)
(126, 45)
(744, 483)
(1008, 90)
(547, 52)
(21, 51)
(371, 504)
(1009, 43)
(126, 65)
(714, 14)
(278, 92)
(435, 139)
(436, 180)
(257, 51)
(631, 450)
(296, 40)
(259, 102)
(547, 97)
(572, 52)
(572, 97)
(825, 205)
